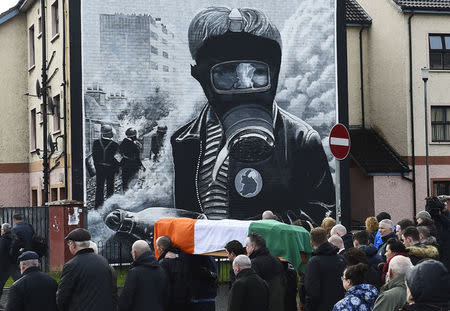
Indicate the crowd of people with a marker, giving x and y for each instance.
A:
(388, 266)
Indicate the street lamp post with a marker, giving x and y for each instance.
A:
(425, 76)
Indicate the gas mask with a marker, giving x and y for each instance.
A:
(239, 75)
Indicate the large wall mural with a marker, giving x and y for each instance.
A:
(197, 110)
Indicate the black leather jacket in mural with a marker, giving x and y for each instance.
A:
(295, 177)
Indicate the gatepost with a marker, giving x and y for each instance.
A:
(64, 216)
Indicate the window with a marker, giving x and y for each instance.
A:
(54, 194)
(153, 65)
(164, 41)
(31, 46)
(439, 51)
(153, 49)
(441, 187)
(39, 26)
(41, 115)
(62, 193)
(164, 29)
(153, 35)
(56, 113)
(440, 123)
(33, 129)
(165, 68)
(55, 18)
(165, 54)
(34, 197)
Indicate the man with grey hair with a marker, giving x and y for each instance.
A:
(35, 289)
(338, 242)
(86, 279)
(243, 154)
(249, 291)
(386, 229)
(393, 294)
(341, 231)
(146, 286)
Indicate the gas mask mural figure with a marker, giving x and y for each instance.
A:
(243, 154)
(241, 134)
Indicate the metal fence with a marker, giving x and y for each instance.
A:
(37, 216)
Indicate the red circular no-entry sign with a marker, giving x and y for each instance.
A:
(339, 141)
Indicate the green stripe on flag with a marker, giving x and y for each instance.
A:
(284, 240)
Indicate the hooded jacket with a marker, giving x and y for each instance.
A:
(146, 286)
(323, 285)
(392, 295)
(421, 251)
(296, 174)
(357, 298)
(371, 255)
(429, 283)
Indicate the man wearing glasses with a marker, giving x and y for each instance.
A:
(86, 279)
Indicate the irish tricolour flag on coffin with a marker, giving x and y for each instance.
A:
(199, 236)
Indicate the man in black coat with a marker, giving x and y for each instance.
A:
(441, 218)
(35, 290)
(269, 268)
(147, 285)
(341, 231)
(22, 236)
(172, 261)
(7, 265)
(86, 279)
(249, 292)
(323, 285)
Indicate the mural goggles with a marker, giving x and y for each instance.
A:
(241, 76)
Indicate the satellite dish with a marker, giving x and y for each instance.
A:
(38, 89)
(50, 106)
(50, 143)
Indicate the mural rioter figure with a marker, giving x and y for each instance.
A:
(104, 152)
(130, 149)
(243, 155)
(157, 142)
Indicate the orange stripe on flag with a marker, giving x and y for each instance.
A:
(180, 230)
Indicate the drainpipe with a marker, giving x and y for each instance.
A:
(66, 184)
(411, 103)
(361, 76)
(44, 102)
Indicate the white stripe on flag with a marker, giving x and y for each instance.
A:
(212, 235)
(339, 141)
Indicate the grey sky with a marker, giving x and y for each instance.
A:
(7, 4)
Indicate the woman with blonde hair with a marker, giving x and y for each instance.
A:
(328, 223)
(371, 227)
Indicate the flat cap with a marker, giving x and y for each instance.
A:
(28, 255)
(78, 235)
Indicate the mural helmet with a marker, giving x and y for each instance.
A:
(238, 56)
(131, 132)
(106, 131)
